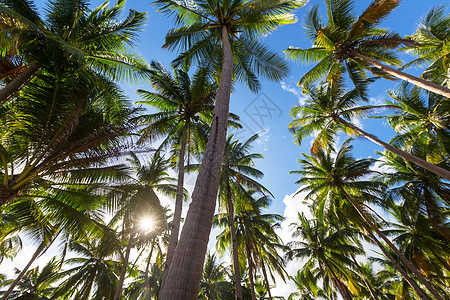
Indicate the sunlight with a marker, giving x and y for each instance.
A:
(146, 224)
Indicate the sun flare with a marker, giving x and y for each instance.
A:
(146, 224)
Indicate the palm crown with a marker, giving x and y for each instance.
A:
(335, 42)
(199, 37)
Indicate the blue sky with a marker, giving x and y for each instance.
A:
(268, 111)
(276, 99)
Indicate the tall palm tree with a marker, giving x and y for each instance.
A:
(94, 272)
(257, 241)
(308, 287)
(214, 284)
(138, 200)
(91, 42)
(432, 35)
(327, 249)
(342, 182)
(237, 174)
(208, 29)
(354, 45)
(38, 283)
(184, 111)
(422, 245)
(329, 109)
(420, 117)
(418, 190)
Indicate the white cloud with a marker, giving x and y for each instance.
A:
(376, 101)
(263, 139)
(294, 90)
(294, 205)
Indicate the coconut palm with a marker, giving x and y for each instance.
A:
(327, 249)
(184, 111)
(257, 241)
(208, 29)
(354, 45)
(329, 109)
(139, 200)
(71, 37)
(420, 117)
(432, 35)
(418, 190)
(214, 284)
(342, 183)
(422, 245)
(308, 289)
(94, 272)
(237, 174)
(38, 283)
(67, 214)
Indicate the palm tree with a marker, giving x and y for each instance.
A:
(209, 29)
(355, 45)
(94, 274)
(329, 109)
(308, 289)
(74, 38)
(432, 34)
(341, 182)
(422, 245)
(419, 190)
(420, 118)
(214, 284)
(184, 110)
(38, 283)
(327, 249)
(237, 174)
(139, 200)
(257, 241)
(69, 215)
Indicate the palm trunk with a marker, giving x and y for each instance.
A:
(366, 283)
(15, 85)
(408, 156)
(185, 272)
(146, 281)
(234, 248)
(416, 272)
(250, 271)
(25, 269)
(173, 239)
(123, 271)
(396, 265)
(266, 278)
(425, 84)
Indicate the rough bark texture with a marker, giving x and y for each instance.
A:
(15, 85)
(234, 248)
(123, 271)
(173, 239)
(22, 273)
(416, 272)
(408, 156)
(185, 272)
(425, 84)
